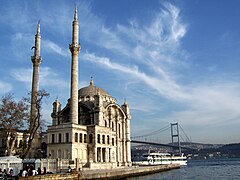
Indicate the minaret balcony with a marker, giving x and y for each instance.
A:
(74, 48)
(36, 60)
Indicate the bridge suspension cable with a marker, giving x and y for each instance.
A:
(187, 138)
(154, 132)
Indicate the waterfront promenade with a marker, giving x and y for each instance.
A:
(116, 173)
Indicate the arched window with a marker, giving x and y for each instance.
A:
(67, 138)
(88, 98)
(103, 139)
(80, 137)
(113, 141)
(98, 138)
(59, 137)
(105, 123)
(53, 138)
(113, 126)
(85, 138)
(76, 137)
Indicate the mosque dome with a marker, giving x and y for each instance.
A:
(92, 90)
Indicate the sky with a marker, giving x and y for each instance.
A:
(173, 61)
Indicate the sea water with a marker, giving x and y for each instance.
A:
(219, 169)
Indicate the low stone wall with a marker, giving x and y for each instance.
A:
(116, 173)
(66, 176)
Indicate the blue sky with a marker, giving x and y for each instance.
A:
(174, 61)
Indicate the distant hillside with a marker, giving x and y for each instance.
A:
(198, 151)
(233, 149)
(216, 151)
(200, 145)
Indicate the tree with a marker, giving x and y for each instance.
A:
(34, 121)
(13, 117)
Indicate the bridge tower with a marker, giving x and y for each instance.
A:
(175, 135)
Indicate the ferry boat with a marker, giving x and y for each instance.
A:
(161, 158)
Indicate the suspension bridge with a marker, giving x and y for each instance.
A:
(152, 138)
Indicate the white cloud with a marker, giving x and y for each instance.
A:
(5, 87)
(165, 88)
(48, 78)
(21, 43)
(156, 53)
(49, 46)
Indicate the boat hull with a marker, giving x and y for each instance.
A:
(162, 159)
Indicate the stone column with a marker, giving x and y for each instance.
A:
(101, 155)
(128, 141)
(75, 49)
(124, 150)
(95, 155)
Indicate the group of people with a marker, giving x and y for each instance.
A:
(28, 170)
(31, 171)
(6, 172)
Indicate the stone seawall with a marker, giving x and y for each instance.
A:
(116, 173)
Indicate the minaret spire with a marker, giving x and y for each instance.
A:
(75, 14)
(75, 49)
(36, 60)
(38, 28)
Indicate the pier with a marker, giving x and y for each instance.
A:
(116, 173)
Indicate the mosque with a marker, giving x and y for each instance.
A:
(91, 130)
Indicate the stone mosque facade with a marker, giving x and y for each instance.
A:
(92, 129)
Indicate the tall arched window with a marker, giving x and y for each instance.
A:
(112, 125)
(108, 139)
(53, 138)
(59, 137)
(98, 138)
(80, 137)
(76, 137)
(85, 138)
(103, 139)
(105, 123)
(88, 98)
(67, 138)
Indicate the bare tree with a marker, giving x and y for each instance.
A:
(34, 121)
(13, 117)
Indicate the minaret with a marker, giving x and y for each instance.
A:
(75, 49)
(125, 107)
(56, 110)
(36, 60)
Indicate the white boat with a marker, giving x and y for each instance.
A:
(161, 158)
